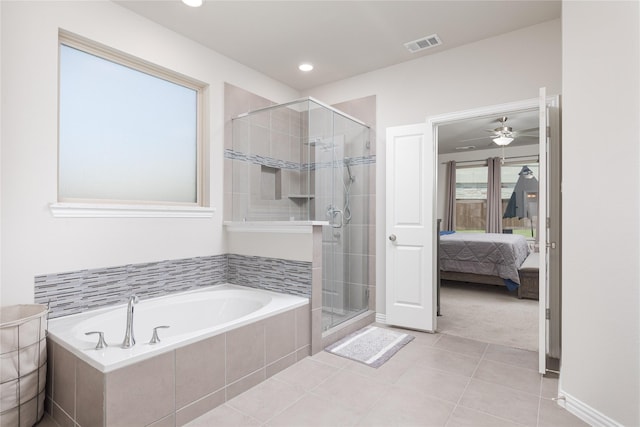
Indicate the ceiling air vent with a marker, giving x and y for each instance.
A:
(423, 43)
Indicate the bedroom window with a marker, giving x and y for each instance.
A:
(471, 199)
(129, 132)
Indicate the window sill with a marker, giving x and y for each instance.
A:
(88, 210)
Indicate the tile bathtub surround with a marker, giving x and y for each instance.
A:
(286, 276)
(179, 385)
(79, 291)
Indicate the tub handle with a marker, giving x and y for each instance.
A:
(155, 338)
(101, 342)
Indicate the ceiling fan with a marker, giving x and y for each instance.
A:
(504, 134)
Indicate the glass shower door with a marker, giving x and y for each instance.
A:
(345, 264)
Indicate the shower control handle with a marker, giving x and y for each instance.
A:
(341, 223)
(392, 237)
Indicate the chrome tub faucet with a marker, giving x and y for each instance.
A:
(129, 340)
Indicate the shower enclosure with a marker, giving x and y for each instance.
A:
(306, 161)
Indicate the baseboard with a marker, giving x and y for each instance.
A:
(381, 318)
(585, 412)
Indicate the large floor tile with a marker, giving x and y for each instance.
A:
(425, 338)
(448, 361)
(512, 356)
(462, 345)
(552, 415)
(404, 407)
(433, 382)
(315, 411)
(306, 374)
(352, 390)
(501, 401)
(224, 416)
(465, 417)
(521, 379)
(330, 359)
(267, 399)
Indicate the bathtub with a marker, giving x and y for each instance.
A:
(191, 317)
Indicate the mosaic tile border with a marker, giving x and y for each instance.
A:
(260, 160)
(283, 164)
(79, 291)
(279, 275)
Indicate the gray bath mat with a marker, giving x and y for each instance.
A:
(371, 345)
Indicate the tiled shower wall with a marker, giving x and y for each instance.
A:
(79, 291)
(354, 246)
(266, 142)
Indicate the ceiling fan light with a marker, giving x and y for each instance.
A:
(503, 140)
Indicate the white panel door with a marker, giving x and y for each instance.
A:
(548, 229)
(410, 176)
(543, 277)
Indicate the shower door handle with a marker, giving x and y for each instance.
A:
(392, 237)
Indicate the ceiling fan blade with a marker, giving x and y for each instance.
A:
(474, 139)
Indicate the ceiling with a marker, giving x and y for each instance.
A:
(341, 38)
(476, 133)
(347, 38)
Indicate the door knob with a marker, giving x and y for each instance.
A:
(392, 237)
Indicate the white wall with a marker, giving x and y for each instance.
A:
(507, 68)
(33, 242)
(601, 201)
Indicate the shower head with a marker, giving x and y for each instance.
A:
(352, 178)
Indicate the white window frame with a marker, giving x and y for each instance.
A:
(66, 207)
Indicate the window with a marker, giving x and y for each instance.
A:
(471, 199)
(129, 132)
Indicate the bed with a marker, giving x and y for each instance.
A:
(482, 258)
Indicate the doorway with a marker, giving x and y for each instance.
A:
(472, 150)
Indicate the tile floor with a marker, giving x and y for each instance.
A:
(435, 380)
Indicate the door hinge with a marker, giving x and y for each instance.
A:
(547, 313)
(551, 245)
(548, 222)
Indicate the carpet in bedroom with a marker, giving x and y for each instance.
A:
(488, 313)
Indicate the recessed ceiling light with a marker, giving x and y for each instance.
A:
(305, 67)
(193, 3)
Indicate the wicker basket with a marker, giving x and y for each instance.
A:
(23, 364)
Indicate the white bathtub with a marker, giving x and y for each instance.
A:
(191, 316)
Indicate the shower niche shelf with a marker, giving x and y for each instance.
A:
(301, 196)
